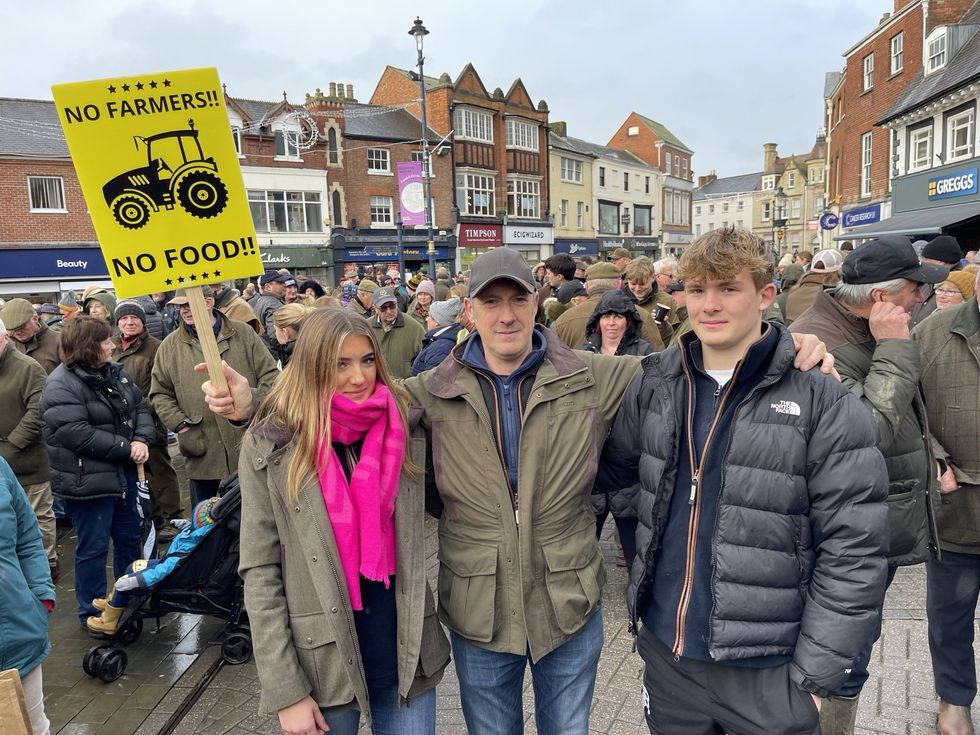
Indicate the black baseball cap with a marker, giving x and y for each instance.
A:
(887, 258)
(270, 276)
(500, 263)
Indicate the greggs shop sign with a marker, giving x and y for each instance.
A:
(957, 184)
(476, 235)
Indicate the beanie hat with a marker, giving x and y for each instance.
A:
(427, 287)
(963, 281)
(445, 312)
(129, 308)
(202, 513)
(943, 248)
(414, 281)
(368, 285)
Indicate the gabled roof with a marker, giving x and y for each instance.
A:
(729, 185)
(595, 150)
(568, 144)
(665, 135)
(372, 122)
(255, 110)
(830, 81)
(960, 70)
(430, 82)
(30, 128)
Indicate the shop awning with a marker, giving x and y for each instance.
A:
(917, 222)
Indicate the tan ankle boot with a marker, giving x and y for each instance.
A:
(99, 603)
(954, 719)
(837, 715)
(107, 622)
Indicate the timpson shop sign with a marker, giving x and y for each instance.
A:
(477, 235)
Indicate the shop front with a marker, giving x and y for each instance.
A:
(534, 242)
(44, 274)
(941, 201)
(303, 261)
(638, 246)
(675, 242)
(379, 250)
(578, 248)
(476, 238)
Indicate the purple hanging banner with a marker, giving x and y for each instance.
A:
(411, 193)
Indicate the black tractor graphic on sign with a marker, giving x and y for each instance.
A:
(176, 171)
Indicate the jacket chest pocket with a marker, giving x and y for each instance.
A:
(468, 588)
(321, 660)
(574, 579)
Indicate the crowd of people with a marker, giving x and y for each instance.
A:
(772, 440)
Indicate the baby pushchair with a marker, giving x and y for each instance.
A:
(205, 582)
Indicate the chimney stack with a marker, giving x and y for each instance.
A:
(768, 157)
(350, 91)
(559, 127)
(333, 89)
(705, 180)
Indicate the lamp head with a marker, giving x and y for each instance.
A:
(419, 31)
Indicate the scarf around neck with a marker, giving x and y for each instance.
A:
(362, 511)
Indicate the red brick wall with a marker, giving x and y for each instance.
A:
(360, 186)
(863, 109)
(19, 224)
(944, 12)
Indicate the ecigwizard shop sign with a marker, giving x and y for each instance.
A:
(160, 174)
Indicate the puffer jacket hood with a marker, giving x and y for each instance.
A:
(615, 302)
(108, 300)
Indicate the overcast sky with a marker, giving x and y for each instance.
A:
(725, 76)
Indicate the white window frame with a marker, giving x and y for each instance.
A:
(477, 183)
(897, 46)
(697, 230)
(868, 75)
(57, 184)
(382, 211)
(667, 162)
(288, 204)
(646, 184)
(236, 135)
(791, 180)
(936, 53)
(711, 209)
(378, 162)
(697, 210)
(818, 205)
(768, 183)
(523, 198)
(684, 168)
(580, 215)
(739, 205)
(866, 158)
(955, 123)
(520, 134)
(685, 208)
(766, 213)
(920, 148)
(563, 213)
(795, 208)
(473, 124)
(571, 170)
(626, 180)
(602, 176)
(290, 143)
(724, 207)
(420, 157)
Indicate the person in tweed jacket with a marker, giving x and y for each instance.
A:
(950, 342)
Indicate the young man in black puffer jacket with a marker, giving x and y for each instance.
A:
(762, 520)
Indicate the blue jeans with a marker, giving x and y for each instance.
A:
(952, 589)
(491, 684)
(96, 521)
(854, 683)
(417, 717)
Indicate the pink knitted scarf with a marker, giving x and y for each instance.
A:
(362, 512)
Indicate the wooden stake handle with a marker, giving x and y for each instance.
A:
(140, 472)
(205, 335)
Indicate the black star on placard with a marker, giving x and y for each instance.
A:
(112, 89)
(153, 84)
(217, 273)
(139, 85)
(169, 281)
(205, 275)
(180, 279)
(193, 277)
(125, 88)
(166, 82)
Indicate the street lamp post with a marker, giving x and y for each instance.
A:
(419, 31)
(778, 217)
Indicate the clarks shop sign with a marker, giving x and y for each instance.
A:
(955, 184)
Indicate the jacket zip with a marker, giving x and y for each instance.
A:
(695, 498)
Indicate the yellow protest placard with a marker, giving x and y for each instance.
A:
(160, 174)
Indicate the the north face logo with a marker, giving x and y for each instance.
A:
(788, 407)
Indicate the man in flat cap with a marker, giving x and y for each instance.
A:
(864, 322)
(272, 296)
(361, 303)
(29, 334)
(945, 252)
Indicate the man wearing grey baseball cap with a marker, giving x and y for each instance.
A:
(865, 323)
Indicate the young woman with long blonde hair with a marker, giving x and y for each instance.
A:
(333, 554)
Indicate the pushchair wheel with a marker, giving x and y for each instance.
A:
(112, 665)
(93, 657)
(237, 648)
(130, 632)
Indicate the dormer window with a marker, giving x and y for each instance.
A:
(936, 55)
(287, 143)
